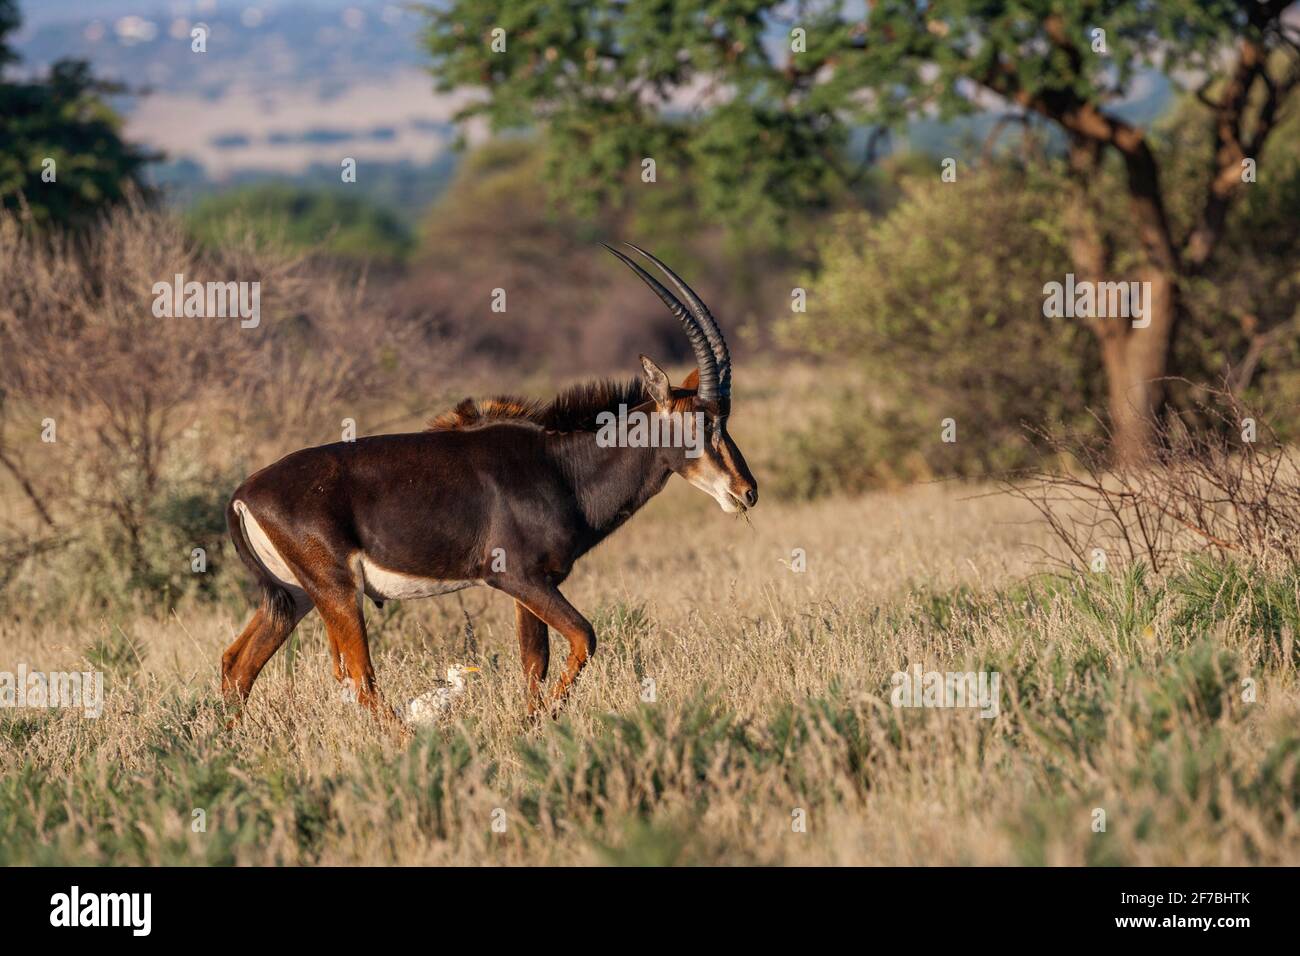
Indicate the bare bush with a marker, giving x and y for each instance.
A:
(80, 345)
(1226, 486)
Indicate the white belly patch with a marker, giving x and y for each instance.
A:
(379, 582)
(396, 586)
(263, 547)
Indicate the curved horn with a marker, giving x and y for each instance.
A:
(702, 314)
(704, 356)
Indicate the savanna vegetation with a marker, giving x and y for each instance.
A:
(1122, 692)
(293, 219)
(1141, 611)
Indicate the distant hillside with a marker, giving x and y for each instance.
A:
(402, 188)
(286, 90)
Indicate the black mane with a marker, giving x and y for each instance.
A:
(574, 409)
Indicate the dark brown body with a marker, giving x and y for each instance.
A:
(507, 503)
(505, 493)
(456, 497)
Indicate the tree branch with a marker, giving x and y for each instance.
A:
(1231, 145)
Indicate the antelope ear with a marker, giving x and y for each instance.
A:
(656, 383)
(691, 383)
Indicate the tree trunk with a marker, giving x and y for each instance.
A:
(1136, 361)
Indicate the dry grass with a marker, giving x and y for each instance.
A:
(1123, 692)
(772, 694)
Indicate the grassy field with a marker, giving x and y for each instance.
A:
(1119, 693)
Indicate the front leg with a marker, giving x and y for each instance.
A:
(534, 651)
(546, 603)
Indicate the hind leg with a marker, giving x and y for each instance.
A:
(229, 687)
(245, 658)
(347, 633)
(337, 593)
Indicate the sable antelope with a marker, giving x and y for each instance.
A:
(503, 492)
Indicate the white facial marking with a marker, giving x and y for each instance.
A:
(389, 585)
(263, 547)
(716, 485)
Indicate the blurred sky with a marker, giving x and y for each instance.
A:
(40, 12)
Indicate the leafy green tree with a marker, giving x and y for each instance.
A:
(759, 96)
(605, 77)
(9, 22)
(62, 157)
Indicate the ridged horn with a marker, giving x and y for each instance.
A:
(705, 318)
(704, 354)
